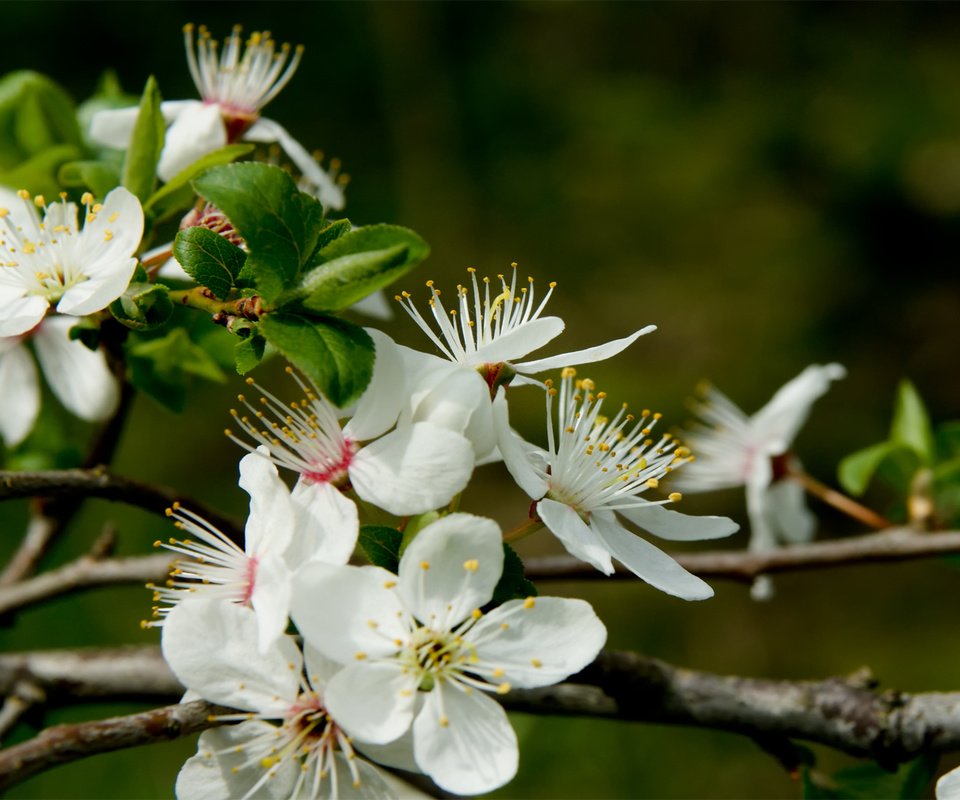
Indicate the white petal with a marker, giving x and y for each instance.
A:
(646, 561)
(372, 783)
(399, 752)
(270, 522)
(98, 292)
(516, 452)
(475, 752)
(374, 305)
(113, 127)
(517, 343)
(122, 216)
(787, 508)
(212, 648)
(676, 526)
(588, 356)
(78, 376)
(412, 469)
(574, 534)
(450, 568)
(327, 525)
(19, 314)
(271, 599)
(319, 668)
(197, 130)
(948, 787)
(380, 405)
(372, 702)
(333, 607)
(544, 643)
(19, 392)
(327, 191)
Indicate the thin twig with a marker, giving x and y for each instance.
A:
(839, 501)
(41, 530)
(24, 696)
(894, 545)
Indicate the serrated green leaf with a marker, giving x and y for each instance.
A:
(381, 545)
(279, 224)
(336, 355)
(333, 231)
(139, 172)
(513, 584)
(177, 194)
(162, 367)
(911, 423)
(96, 176)
(358, 263)
(35, 115)
(857, 469)
(249, 352)
(209, 259)
(143, 306)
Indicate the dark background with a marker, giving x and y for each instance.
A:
(773, 185)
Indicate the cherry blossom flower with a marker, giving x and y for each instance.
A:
(948, 786)
(52, 261)
(420, 656)
(482, 339)
(410, 470)
(737, 450)
(235, 83)
(78, 376)
(596, 467)
(287, 744)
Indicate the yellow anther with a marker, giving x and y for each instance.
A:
(86, 198)
(471, 565)
(568, 372)
(674, 497)
(114, 216)
(23, 194)
(498, 672)
(530, 602)
(653, 483)
(444, 721)
(424, 565)
(587, 384)
(503, 688)
(107, 236)
(476, 613)
(389, 584)
(39, 202)
(360, 656)
(97, 208)
(536, 662)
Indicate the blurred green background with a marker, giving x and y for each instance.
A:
(771, 184)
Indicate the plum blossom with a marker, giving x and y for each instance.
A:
(596, 467)
(79, 377)
(948, 786)
(410, 470)
(483, 339)
(287, 744)
(420, 655)
(737, 450)
(52, 261)
(234, 84)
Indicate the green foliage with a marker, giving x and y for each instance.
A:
(140, 165)
(358, 263)
(209, 259)
(107, 95)
(857, 470)
(162, 367)
(97, 176)
(36, 114)
(336, 355)
(911, 423)
(143, 306)
(381, 545)
(249, 352)
(513, 584)
(39, 174)
(868, 781)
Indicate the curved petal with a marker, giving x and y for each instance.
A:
(516, 452)
(99, 291)
(412, 469)
(450, 568)
(948, 787)
(348, 613)
(399, 752)
(788, 512)
(20, 395)
(113, 127)
(372, 702)
(271, 599)
(212, 648)
(464, 741)
(19, 314)
(327, 525)
(574, 534)
(521, 340)
(271, 519)
(78, 376)
(374, 305)
(197, 130)
(319, 668)
(778, 422)
(381, 402)
(678, 527)
(542, 643)
(646, 561)
(590, 355)
(122, 217)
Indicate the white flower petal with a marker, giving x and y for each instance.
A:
(399, 752)
(197, 130)
(20, 314)
(212, 648)
(20, 393)
(516, 452)
(319, 668)
(113, 127)
(521, 340)
(574, 534)
(333, 607)
(646, 561)
(678, 527)
(948, 786)
(412, 469)
(590, 355)
(327, 525)
(787, 509)
(271, 519)
(373, 701)
(122, 217)
(450, 568)
(475, 752)
(372, 783)
(271, 599)
(380, 405)
(545, 642)
(99, 290)
(78, 376)
(374, 305)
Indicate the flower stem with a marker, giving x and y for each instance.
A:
(524, 530)
(839, 501)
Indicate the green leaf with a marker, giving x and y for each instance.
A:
(177, 194)
(911, 423)
(948, 440)
(143, 306)
(39, 174)
(857, 469)
(381, 545)
(249, 352)
(513, 584)
(279, 223)
(96, 176)
(140, 165)
(35, 115)
(336, 355)
(358, 263)
(209, 259)
(333, 231)
(870, 780)
(163, 367)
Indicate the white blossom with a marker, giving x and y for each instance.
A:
(596, 467)
(948, 786)
(235, 83)
(420, 656)
(52, 261)
(736, 450)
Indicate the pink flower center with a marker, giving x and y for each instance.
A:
(250, 578)
(333, 471)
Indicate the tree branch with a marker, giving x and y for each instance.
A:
(897, 544)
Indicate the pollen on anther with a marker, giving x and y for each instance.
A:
(444, 721)
(389, 584)
(471, 565)
(530, 602)
(360, 656)
(674, 497)
(424, 565)
(536, 662)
